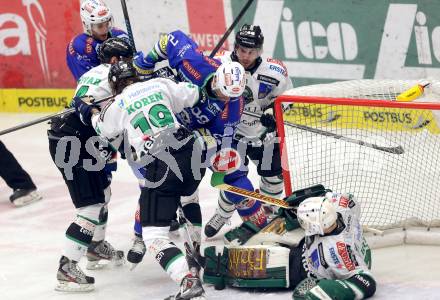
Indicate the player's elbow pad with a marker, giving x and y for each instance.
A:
(363, 285)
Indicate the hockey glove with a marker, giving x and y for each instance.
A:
(84, 108)
(111, 165)
(303, 287)
(331, 289)
(268, 120)
(165, 72)
(144, 65)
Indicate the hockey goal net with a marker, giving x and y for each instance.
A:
(353, 136)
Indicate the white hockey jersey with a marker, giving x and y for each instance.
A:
(143, 110)
(95, 83)
(341, 254)
(269, 80)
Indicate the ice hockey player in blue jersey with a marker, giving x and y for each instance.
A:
(220, 92)
(218, 112)
(97, 20)
(266, 79)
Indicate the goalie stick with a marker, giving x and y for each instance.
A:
(217, 181)
(393, 150)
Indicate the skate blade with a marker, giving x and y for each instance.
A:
(133, 266)
(116, 261)
(26, 200)
(202, 297)
(73, 287)
(97, 264)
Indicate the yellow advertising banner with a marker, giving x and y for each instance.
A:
(34, 100)
(362, 117)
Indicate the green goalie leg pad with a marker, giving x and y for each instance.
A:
(216, 267)
(244, 267)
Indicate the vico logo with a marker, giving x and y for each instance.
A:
(424, 40)
(311, 49)
(405, 25)
(341, 39)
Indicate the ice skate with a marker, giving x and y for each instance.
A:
(100, 253)
(190, 288)
(136, 252)
(71, 278)
(22, 197)
(215, 224)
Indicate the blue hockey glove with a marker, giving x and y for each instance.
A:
(83, 108)
(144, 65)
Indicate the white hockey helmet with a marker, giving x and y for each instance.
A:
(316, 214)
(230, 79)
(95, 12)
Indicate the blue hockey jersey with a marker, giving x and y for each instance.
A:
(191, 65)
(81, 53)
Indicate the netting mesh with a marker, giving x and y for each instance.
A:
(387, 157)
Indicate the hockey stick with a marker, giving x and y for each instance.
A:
(47, 118)
(393, 150)
(128, 25)
(217, 181)
(228, 32)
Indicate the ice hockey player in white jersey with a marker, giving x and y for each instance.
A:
(144, 112)
(266, 78)
(89, 190)
(335, 253)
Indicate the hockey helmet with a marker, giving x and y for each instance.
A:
(120, 75)
(95, 12)
(229, 79)
(249, 36)
(114, 47)
(316, 214)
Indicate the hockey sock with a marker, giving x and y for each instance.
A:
(248, 209)
(101, 226)
(271, 186)
(191, 208)
(79, 236)
(251, 210)
(193, 214)
(140, 175)
(165, 252)
(137, 223)
(225, 207)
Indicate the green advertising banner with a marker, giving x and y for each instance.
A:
(323, 41)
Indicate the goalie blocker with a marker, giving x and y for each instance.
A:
(280, 256)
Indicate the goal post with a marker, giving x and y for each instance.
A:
(352, 136)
